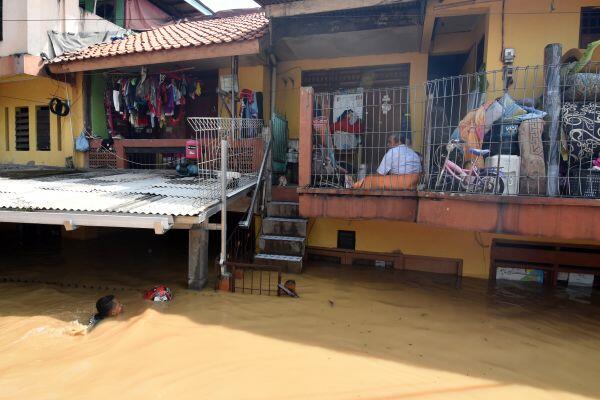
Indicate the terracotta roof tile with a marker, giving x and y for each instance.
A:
(176, 36)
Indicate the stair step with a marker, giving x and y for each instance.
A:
(276, 226)
(285, 209)
(287, 245)
(278, 257)
(287, 262)
(284, 238)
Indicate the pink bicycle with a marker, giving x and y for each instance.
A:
(474, 180)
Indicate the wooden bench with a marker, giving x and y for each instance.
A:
(400, 261)
(552, 258)
(347, 257)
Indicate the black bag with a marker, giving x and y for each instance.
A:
(502, 139)
(584, 183)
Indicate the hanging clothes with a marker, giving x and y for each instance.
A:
(116, 100)
(168, 100)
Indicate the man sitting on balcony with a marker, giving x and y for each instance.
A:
(400, 168)
(399, 159)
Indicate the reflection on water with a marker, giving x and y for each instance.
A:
(354, 333)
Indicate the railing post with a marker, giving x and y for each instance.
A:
(552, 55)
(223, 257)
(120, 152)
(427, 132)
(305, 136)
(267, 135)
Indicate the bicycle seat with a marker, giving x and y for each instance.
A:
(457, 141)
(479, 152)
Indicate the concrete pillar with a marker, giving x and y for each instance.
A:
(197, 257)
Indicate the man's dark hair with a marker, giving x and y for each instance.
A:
(403, 137)
(104, 305)
(399, 137)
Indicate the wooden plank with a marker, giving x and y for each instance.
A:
(437, 265)
(550, 257)
(440, 265)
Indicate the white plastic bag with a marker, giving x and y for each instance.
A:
(81, 143)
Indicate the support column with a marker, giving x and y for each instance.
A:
(552, 55)
(198, 257)
(305, 136)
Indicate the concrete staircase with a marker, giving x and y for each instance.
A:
(283, 237)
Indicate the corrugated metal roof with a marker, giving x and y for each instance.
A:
(144, 192)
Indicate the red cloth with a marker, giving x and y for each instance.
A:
(247, 94)
(142, 15)
(344, 125)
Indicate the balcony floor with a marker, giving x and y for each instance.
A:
(549, 217)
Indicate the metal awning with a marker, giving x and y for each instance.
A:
(112, 198)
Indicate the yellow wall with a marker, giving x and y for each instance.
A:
(416, 239)
(289, 79)
(530, 33)
(36, 91)
(256, 78)
(528, 26)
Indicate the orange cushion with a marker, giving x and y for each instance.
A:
(388, 182)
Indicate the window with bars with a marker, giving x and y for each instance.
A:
(22, 128)
(42, 128)
(590, 26)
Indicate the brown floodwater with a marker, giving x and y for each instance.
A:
(355, 333)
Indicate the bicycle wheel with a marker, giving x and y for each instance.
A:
(448, 184)
(492, 184)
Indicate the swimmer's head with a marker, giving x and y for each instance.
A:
(108, 306)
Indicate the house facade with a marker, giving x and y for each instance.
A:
(30, 132)
(377, 48)
(33, 32)
(344, 77)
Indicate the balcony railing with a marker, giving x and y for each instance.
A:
(527, 131)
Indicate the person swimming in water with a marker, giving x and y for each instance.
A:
(107, 306)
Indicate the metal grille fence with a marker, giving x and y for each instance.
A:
(246, 146)
(351, 130)
(531, 131)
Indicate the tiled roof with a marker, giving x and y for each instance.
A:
(271, 2)
(203, 32)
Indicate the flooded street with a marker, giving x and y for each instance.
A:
(354, 333)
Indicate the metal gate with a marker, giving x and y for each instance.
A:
(279, 128)
(351, 132)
